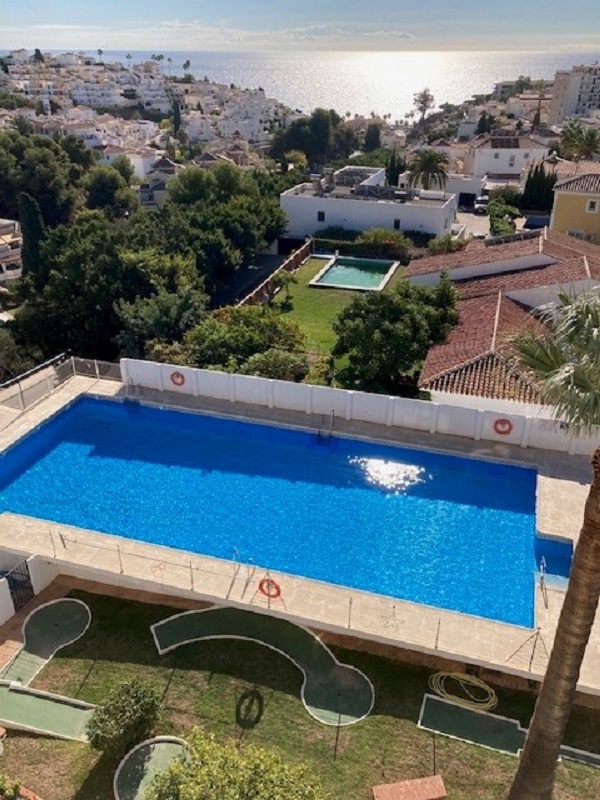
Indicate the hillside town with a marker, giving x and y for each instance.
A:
(296, 411)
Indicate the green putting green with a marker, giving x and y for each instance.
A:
(138, 769)
(333, 693)
(485, 729)
(45, 631)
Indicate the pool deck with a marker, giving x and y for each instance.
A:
(562, 488)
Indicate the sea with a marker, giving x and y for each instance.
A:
(364, 82)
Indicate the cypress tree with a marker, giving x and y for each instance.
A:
(33, 232)
(176, 117)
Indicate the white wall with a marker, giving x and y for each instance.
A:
(302, 212)
(42, 572)
(7, 608)
(498, 161)
(474, 418)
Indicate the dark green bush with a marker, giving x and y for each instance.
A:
(125, 718)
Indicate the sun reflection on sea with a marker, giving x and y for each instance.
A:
(394, 476)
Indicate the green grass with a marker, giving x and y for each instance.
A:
(204, 684)
(313, 309)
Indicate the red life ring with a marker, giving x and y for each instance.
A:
(269, 588)
(503, 427)
(177, 378)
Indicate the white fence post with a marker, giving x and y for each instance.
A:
(349, 403)
(232, 388)
(526, 431)
(479, 420)
(308, 399)
(433, 421)
(389, 411)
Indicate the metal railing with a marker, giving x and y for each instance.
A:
(23, 391)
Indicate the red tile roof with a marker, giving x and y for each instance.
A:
(588, 184)
(431, 788)
(561, 273)
(474, 254)
(477, 357)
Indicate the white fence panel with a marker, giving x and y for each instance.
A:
(499, 427)
(457, 421)
(370, 407)
(549, 434)
(213, 384)
(179, 379)
(7, 609)
(291, 396)
(141, 373)
(415, 414)
(249, 389)
(325, 399)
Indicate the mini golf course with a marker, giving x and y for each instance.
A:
(487, 730)
(332, 693)
(45, 631)
(140, 766)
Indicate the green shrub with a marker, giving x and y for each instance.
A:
(125, 718)
(9, 787)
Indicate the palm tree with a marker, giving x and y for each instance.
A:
(570, 138)
(170, 61)
(428, 168)
(128, 57)
(100, 53)
(186, 66)
(589, 143)
(567, 365)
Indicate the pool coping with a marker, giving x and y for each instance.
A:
(443, 634)
(316, 283)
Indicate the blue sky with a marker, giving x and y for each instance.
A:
(302, 24)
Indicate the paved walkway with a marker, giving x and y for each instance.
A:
(332, 693)
(561, 493)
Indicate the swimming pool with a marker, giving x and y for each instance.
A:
(358, 274)
(449, 532)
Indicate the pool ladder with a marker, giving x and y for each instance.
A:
(324, 434)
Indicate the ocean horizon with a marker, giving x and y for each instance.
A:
(362, 82)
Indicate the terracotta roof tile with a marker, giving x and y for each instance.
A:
(557, 274)
(430, 788)
(476, 359)
(590, 184)
(474, 254)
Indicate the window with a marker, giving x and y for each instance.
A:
(320, 216)
(396, 224)
(511, 161)
(525, 156)
(592, 206)
(496, 155)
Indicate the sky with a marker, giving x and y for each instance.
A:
(251, 25)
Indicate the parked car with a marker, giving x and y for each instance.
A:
(481, 205)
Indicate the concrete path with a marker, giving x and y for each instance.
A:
(332, 693)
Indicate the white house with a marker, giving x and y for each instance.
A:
(503, 155)
(357, 198)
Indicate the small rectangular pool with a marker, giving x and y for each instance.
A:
(450, 532)
(358, 274)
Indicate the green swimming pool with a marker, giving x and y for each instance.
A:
(358, 274)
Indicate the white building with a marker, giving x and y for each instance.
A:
(575, 93)
(10, 250)
(505, 156)
(357, 198)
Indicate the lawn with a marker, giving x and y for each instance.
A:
(314, 310)
(204, 684)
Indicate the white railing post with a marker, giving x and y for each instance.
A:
(433, 420)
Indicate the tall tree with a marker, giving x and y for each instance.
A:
(33, 232)
(372, 137)
(386, 335)
(423, 101)
(567, 365)
(176, 117)
(428, 168)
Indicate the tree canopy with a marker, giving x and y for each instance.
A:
(385, 336)
(228, 772)
(423, 101)
(428, 168)
(322, 137)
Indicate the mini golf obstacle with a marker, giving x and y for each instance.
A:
(333, 693)
(486, 730)
(140, 766)
(46, 630)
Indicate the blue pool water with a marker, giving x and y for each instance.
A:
(450, 532)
